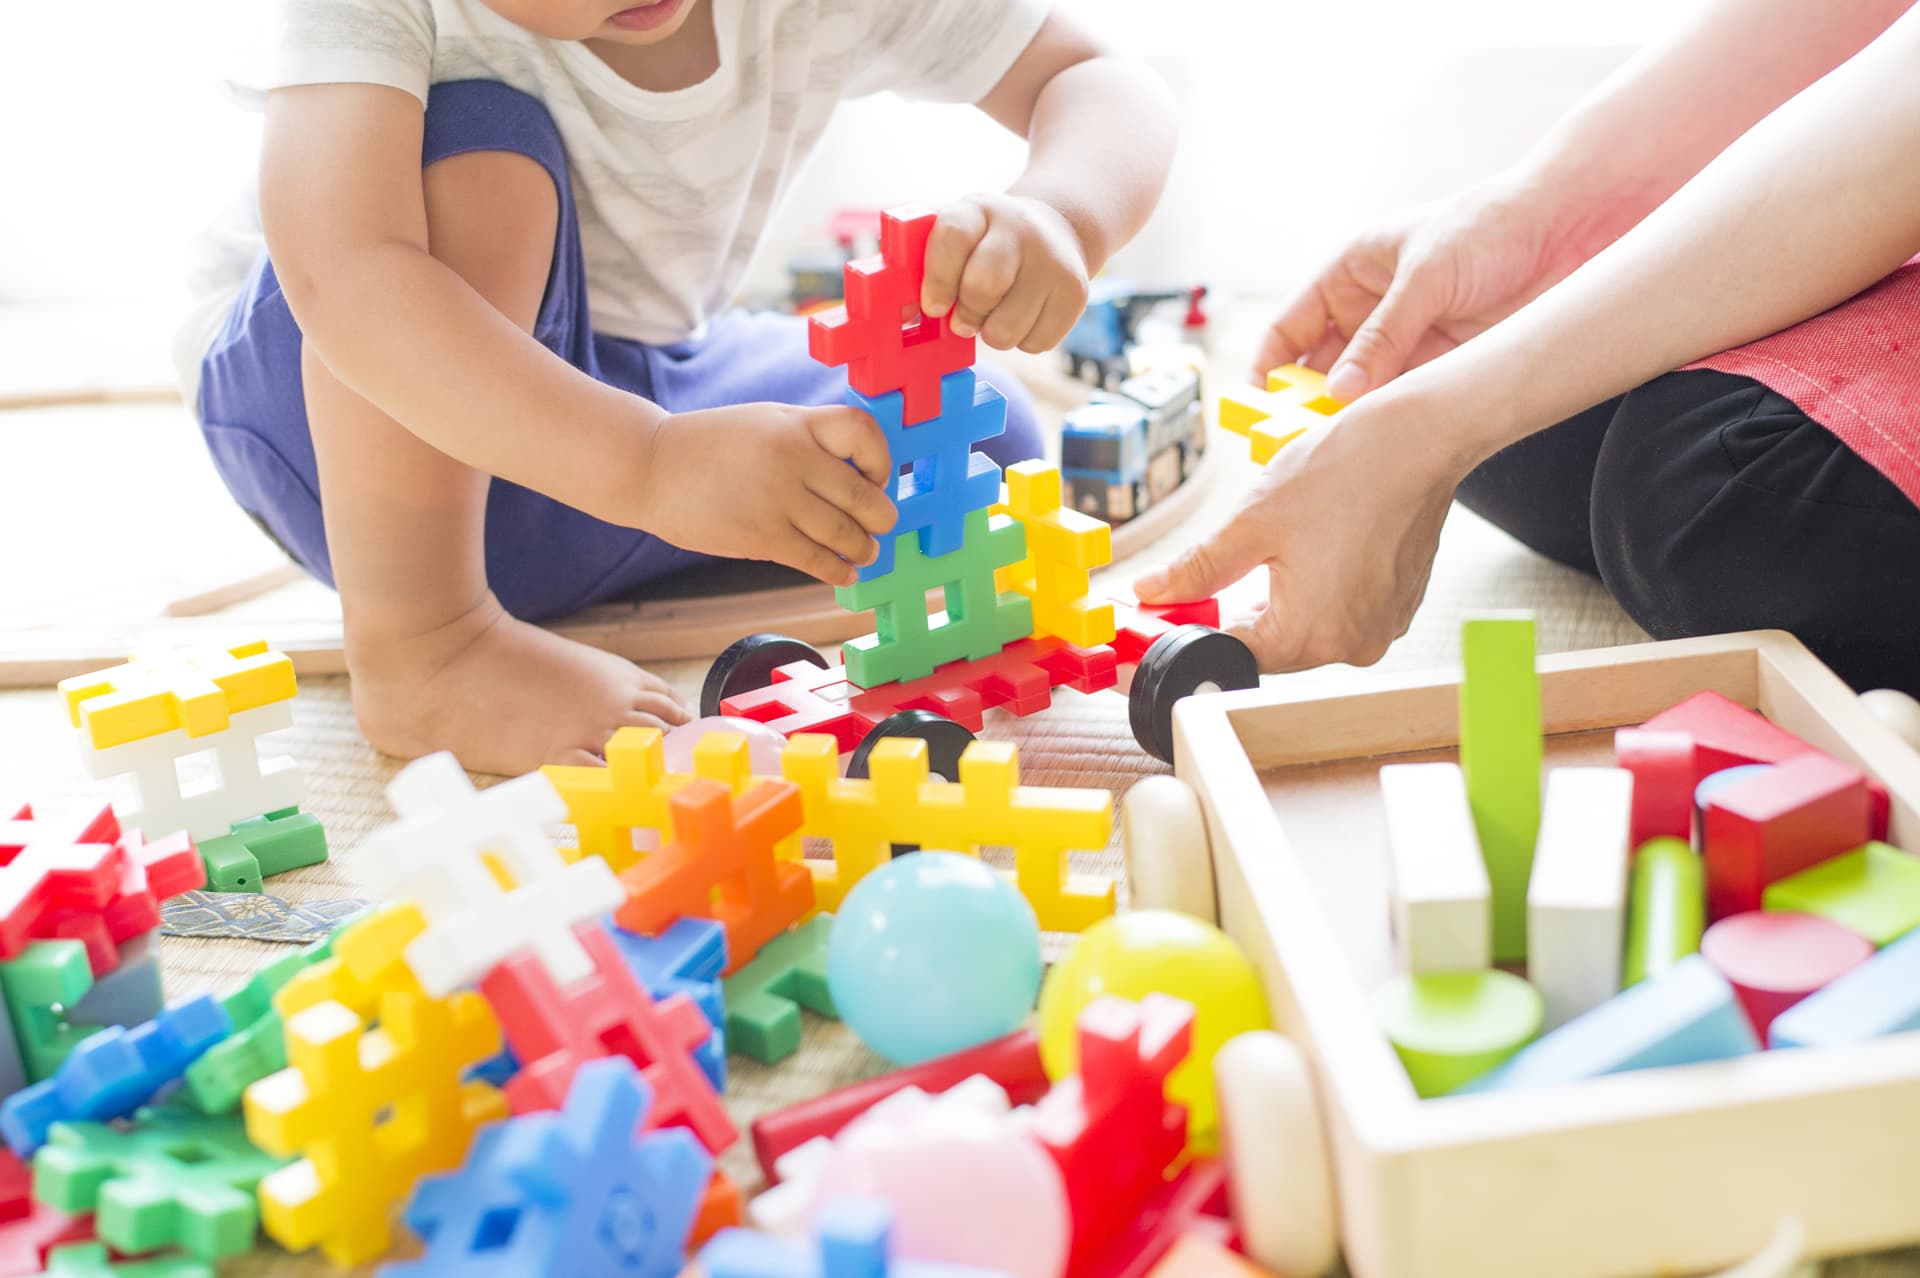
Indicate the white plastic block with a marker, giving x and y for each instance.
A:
(1437, 880)
(1577, 895)
(435, 854)
(239, 785)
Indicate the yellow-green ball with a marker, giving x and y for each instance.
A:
(1157, 952)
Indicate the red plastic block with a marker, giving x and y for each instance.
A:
(554, 1031)
(1136, 626)
(805, 698)
(47, 877)
(1192, 1204)
(1110, 1128)
(1019, 678)
(1013, 1062)
(1757, 831)
(880, 335)
(26, 1240)
(1663, 770)
(1726, 734)
(16, 1186)
(154, 873)
(721, 865)
(1775, 959)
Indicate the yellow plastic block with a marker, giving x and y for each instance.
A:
(369, 1112)
(863, 818)
(1063, 547)
(1295, 401)
(197, 690)
(368, 963)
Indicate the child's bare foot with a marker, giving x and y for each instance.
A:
(504, 696)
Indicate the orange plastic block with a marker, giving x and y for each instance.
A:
(722, 864)
(1063, 547)
(370, 1112)
(720, 1209)
(1294, 402)
(609, 806)
(196, 690)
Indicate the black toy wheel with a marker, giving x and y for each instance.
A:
(748, 664)
(1185, 660)
(946, 741)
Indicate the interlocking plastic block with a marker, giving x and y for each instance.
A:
(852, 1243)
(1110, 1128)
(1437, 883)
(114, 1072)
(1020, 679)
(1294, 401)
(1774, 960)
(49, 876)
(438, 851)
(173, 1179)
(150, 873)
(359, 965)
(195, 691)
(26, 1240)
(13, 1068)
(1577, 891)
(1192, 1205)
(722, 864)
(978, 620)
(1500, 754)
(1881, 996)
(1687, 1013)
(39, 985)
(257, 1046)
(721, 1208)
(1667, 908)
(1063, 547)
(369, 1111)
(803, 697)
(16, 1186)
(578, 1193)
(1726, 733)
(948, 480)
(862, 817)
(686, 959)
(1873, 890)
(1137, 626)
(764, 998)
(1197, 1256)
(1804, 811)
(237, 784)
(882, 350)
(554, 1031)
(130, 994)
(260, 847)
(89, 1260)
(1664, 774)
(609, 806)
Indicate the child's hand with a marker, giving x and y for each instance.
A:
(771, 481)
(1011, 269)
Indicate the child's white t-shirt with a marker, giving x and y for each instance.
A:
(674, 190)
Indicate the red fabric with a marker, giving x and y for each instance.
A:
(1855, 370)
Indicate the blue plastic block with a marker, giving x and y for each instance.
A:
(577, 1194)
(852, 1243)
(496, 1069)
(1881, 996)
(949, 480)
(687, 959)
(113, 1073)
(1685, 1014)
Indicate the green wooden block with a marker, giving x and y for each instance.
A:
(764, 998)
(258, 1045)
(173, 1179)
(978, 620)
(1666, 910)
(1449, 1028)
(1874, 890)
(89, 1260)
(1500, 755)
(39, 986)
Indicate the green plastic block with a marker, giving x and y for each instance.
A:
(89, 1260)
(260, 847)
(173, 1179)
(764, 998)
(230, 867)
(1449, 1028)
(1500, 754)
(258, 1045)
(48, 978)
(1874, 890)
(1666, 910)
(977, 622)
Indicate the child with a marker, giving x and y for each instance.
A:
(483, 334)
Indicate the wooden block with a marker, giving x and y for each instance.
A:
(1881, 996)
(1663, 766)
(1873, 890)
(1774, 960)
(1437, 881)
(1452, 1027)
(1666, 909)
(1726, 733)
(1500, 752)
(1686, 1014)
(1577, 895)
(1765, 828)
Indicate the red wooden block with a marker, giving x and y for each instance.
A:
(1013, 1062)
(1663, 770)
(1110, 1128)
(721, 865)
(805, 698)
(1803, 812)
(48, 875)
(1776, 958)
(1726, 734)
(553, 1032)
(1192, 1204)
(26, 1240)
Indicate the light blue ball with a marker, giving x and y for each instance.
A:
(932, 953)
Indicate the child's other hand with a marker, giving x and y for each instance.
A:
(1011, 269)
(771, 481)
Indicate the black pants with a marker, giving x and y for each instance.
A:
(1708, 503)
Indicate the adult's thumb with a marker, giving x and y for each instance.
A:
(1383, 346)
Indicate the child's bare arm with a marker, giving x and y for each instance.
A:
(1013, 268)
(344, 210)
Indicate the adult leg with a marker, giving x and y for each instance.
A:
(1719, 506)
(1538, 489)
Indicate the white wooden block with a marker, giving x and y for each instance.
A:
(1442, 901)
(1577, 895)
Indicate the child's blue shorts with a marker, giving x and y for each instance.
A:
(543, 558)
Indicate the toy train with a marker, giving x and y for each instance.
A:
(1130, 448)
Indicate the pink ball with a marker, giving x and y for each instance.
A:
(763, 743)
